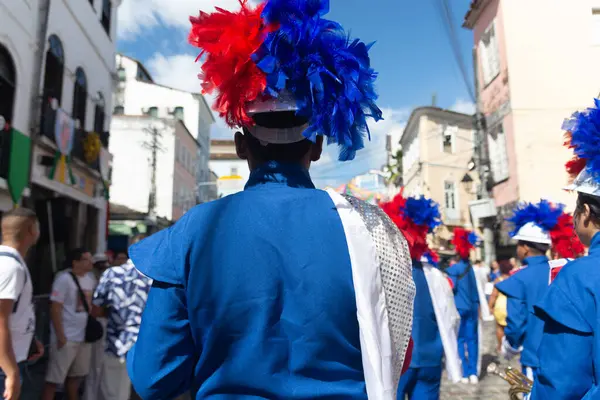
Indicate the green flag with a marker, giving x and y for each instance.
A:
(19, 163)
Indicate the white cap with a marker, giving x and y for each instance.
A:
(284, 102)
(533, 233)
(585, 183)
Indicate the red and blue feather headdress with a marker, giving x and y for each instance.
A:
(415, 217)
(546, 223)
(284, 56)
(583, 137)
(464, 241)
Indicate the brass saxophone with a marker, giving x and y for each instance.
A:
(519, 383)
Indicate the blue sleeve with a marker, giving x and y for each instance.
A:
(162, 361)
(516, 321)
(566, 370)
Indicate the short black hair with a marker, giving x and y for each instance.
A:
(593, 203)
(75, 255)
(542, 248)
(292, 152)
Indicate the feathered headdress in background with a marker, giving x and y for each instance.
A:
(284, 56)
(583, 137)
(464, 241)
(415, 217)
(546, 223)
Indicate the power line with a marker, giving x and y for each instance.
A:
(446, 15)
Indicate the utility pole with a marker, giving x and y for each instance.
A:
(483, 167)
(154, 146)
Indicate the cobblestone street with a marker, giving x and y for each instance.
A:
(490, 387)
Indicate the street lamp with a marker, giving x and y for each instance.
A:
(467, 181)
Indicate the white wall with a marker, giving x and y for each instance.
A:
(86, 45)
(130, 183)
(18, 25)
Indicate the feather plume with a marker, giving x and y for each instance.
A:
(415, 217)
(228, 40)
(584, 138)
(543, 214)
(463, 241)
(565, 242)
(329, 75)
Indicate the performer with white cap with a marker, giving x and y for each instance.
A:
(537, 228)
(435, 318)
(281, 291)
(569, 350)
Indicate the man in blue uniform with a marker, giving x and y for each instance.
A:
(569, 351)
(467, 303)
(281, 291)
(533, 225)
(435, 318)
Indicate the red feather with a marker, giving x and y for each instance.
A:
(415, 235)
(461, 242)
(228, 39)
(564, 240)
(575, 166)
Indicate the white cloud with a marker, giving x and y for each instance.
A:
(330, 172)
(463, 106)
(179, 71)
(136, 15)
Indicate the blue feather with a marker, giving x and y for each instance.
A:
(329, 75)
(423, 212)
(430, 259)
(473, 238)
(585, 139)
(543, 214)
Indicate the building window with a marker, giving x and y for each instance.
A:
(121, 74)
(119, 110)
(106, 14)
(178, 113)
(498, 153)
(596, 26)
(450, 201)
(142, 75)
(53, 83)
(8, 83)
(80, 97)
(449, 138)
(234, 171)
(489, 55)
(152, 112)
(99, 115)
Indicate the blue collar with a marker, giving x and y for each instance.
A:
(535, 260)
(292, 175)
(595, 245)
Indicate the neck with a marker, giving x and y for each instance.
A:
(78, 272)
(20, 247)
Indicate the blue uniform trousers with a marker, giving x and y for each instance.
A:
(420, 384)
(468, 341)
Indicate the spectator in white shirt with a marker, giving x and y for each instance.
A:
(20, 231)
(70, 355)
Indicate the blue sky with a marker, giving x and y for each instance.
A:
(412, 55)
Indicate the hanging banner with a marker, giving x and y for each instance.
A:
(19, 164)
(64, 132)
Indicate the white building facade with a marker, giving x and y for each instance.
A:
(138, 94)
(131, 146)
(232, 173)
(75, 42)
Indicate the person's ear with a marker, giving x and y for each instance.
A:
(316, 149)
(241, 146)
(586, 215)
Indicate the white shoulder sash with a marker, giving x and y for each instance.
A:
(373, 321)
(447, 317)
